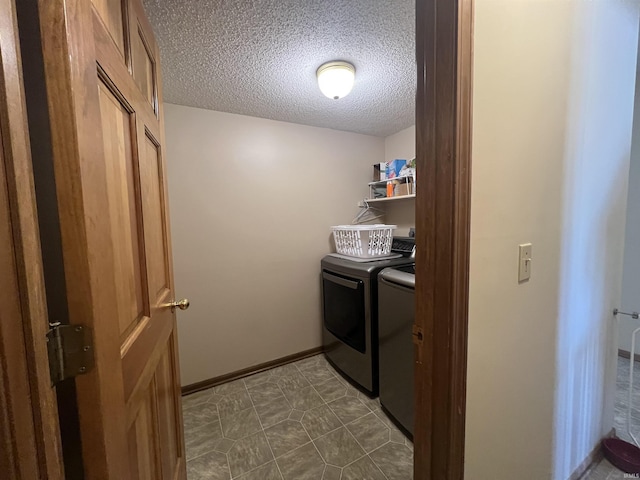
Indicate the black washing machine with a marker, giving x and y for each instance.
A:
(350, 312)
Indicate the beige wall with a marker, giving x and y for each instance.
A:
(400, 212)
(251, 203)
(553, 96)
(401, 145)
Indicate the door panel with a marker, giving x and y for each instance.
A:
(111, 14)
(144, 440)
(143, 67)
(123, 194)
(116, 126)
(153, 206)
(168, 411)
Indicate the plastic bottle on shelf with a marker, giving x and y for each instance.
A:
(389, 189)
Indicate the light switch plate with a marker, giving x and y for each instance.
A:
(524, 264)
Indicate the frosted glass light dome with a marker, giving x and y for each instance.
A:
(335, 79)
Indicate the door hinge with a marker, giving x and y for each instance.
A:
(70, 349)
(417, 335)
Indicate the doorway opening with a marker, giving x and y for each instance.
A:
(119, 404)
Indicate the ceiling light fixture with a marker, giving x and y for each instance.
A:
(335, 79)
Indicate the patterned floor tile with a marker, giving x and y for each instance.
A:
(265, 393)
(233, 403)
(371, 403)
(362, 469)
(248, 454)
(235, 429)
(304, 399)
(396, 436)
(241, 424)
(349, 409)
(224, 445)
(202, 439)
(268, 471)
(409, 444)
(196, 398)
(304, 463)
(210, 466)
(198, 415)
(293, 382)
(339, 448)
(284, 371)
(286, 436)
(370, 432)
(311, 362)
(332, 473)
(320, 421)
(258, 379)
(231, 387)
(316, 376)
(215, 399)
(273, 412)
(383, 418)
(351, 392)
(395, 461)
(601, 471)
(296, 415)
(331, 390)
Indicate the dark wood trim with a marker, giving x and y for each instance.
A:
(245, 372)
(29, 433)
(625, 354)
(591, 460)
(444, 39)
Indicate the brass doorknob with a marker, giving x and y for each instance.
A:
(181, 304)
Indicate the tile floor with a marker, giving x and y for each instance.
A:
(604, 470)
(300, 421)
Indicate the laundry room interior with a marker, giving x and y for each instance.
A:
(252, 273)
(286, 203)
(320, 240)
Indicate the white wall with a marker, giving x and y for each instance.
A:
(631, 276)
(597, 152)
(553, 96)
(251, 203)
(400, 212)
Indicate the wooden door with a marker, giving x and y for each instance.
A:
(105, 106)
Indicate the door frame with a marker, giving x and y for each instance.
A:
(30, 444)
(444, 53)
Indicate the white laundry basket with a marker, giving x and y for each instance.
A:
(363, 241)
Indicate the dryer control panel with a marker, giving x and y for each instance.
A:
(404, 245)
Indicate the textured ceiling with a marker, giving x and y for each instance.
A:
(259, 58)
